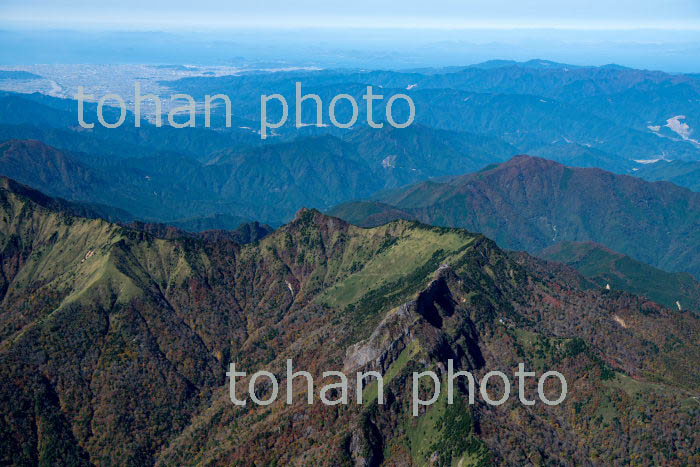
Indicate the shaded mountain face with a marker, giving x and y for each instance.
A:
(79, 209)
(605, 267)
(682, 173)
(125, 187)
(403, 156)
(56, 172)
(114, 345)
(245, 233)
(242, 183)
(530, 204)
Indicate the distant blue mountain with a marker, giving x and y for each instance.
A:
(536, 64)
(18, 75)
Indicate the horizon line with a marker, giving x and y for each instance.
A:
(332, 23)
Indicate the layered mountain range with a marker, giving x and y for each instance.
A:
(115, 343)
(615, 114)
(136, 264)
(611, 117)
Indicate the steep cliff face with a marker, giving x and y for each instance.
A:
(115, 344)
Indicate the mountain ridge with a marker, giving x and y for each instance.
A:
(103, 323)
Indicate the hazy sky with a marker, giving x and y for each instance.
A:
(576, 14)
